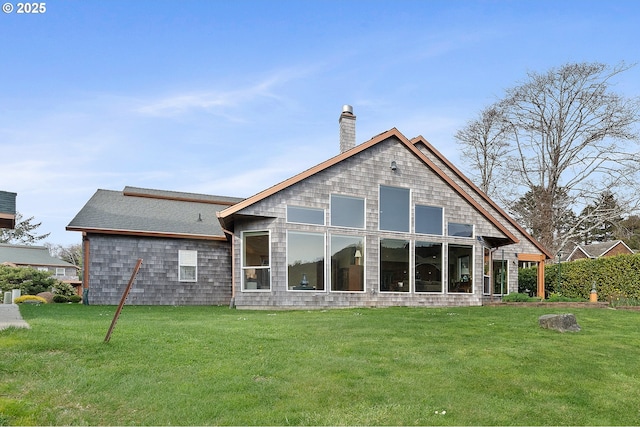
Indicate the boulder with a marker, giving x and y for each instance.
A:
(559, 322)
(46, 295)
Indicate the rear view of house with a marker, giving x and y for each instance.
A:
(384, 223)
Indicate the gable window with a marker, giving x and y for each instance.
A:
(302, 215)
(394, 208)
(429, 220)
(460, 258)
(347, 211)
(394, 265)
(305, 261)
(187, 266)
(428, 261)
(256, 271)
(347, 263)
(460, 230)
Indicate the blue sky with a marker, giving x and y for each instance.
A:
(231, 97)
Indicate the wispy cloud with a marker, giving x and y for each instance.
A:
(220, 101)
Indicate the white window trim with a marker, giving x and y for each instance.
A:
(324, 215)
(243, 267)
(442, 221)
(329, 283)
(181, 263)
(411, 213)
(326, 278)
(60, 271)
(364, 212)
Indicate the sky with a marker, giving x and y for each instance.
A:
(231, 97)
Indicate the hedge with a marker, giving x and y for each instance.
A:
(615, 277)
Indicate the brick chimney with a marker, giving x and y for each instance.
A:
(347, 128)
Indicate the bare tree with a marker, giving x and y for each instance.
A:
(24, 233)
(571, 139)
(485, 145)
(71, 253)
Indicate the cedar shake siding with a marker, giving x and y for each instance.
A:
(113, 257)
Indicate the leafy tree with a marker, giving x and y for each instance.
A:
(24, 233)
(568, 135)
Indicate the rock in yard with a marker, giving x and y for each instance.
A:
(559, 322)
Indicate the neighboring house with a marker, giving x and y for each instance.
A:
(7, 209)
(385, 223)
(599, 249)
(38, 257)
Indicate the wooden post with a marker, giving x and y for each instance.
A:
(540, 260)
(125, 294)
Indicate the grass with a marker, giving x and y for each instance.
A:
(395, 366)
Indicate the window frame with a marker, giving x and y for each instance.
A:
(406, 288)
(361, 262)
(181, 263)
(381, 211)
(415, 219)
(246, 268)
(473, 229)
(441, 267)
(324, 261)
(332, 204)
(317, 210)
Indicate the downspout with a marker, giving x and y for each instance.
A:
(85, 265)
(232, 303)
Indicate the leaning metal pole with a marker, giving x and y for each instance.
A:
(125, 294)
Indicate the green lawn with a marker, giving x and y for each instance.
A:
(394, 366)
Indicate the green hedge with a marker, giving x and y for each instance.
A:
(615, 277)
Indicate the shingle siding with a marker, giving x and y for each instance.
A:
(113, 257)
(361, 176)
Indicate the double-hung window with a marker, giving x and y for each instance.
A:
(187, 266)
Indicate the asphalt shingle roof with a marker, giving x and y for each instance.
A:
(30, 255)
(152, 211)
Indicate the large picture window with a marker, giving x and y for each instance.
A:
(347, 211)
(394, 265)
(428, 261)
(394, 208)
(460, 258)
(187, 266)
(305, 261)
(256, 261)
(347, 263)
(429, 220)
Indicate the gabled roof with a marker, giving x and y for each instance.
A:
(598, 249)
(226, 215)
(148, 212)
(30, 255)
(421, 140)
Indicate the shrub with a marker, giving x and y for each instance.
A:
(75, 298)
(30, 299)
(615, 277)
(518, 297)
(65, 289)
(60, 298)
(29, 280)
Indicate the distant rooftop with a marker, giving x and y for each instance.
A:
(23, 255)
